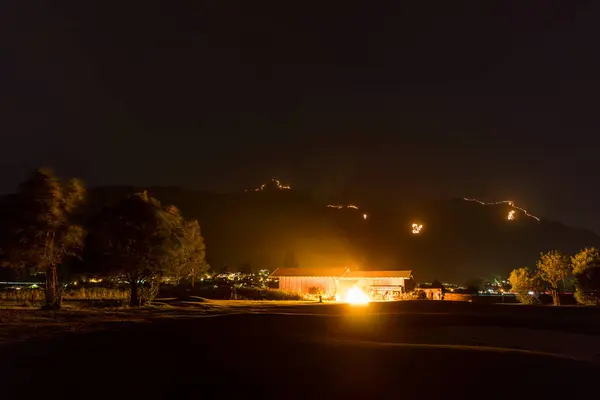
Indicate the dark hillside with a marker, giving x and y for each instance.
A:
(459, 239)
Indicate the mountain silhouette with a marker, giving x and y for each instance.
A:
(267, 228)
(458, 240)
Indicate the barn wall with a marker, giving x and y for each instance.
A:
(366, 282)
(303, 284)
(385, 281)
(332, 285)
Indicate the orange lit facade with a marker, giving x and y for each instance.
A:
(335, 282)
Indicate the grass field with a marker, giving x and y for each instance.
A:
(19, 323)
(276, 346)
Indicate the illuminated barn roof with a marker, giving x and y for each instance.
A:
(407, 274)
(340, 273)
(333, 272)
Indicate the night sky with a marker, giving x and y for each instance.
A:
(489, 99)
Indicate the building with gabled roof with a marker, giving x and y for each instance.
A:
(309, 280)
(403, 274)
(334, 282)
(306, 272)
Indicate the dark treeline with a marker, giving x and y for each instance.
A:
(136, 239)
(556, 272)
(92, 230)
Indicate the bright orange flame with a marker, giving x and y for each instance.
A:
(340, 206)
(355, 296)
(365, 216)
(416, 228)
(276, 183)
(511, 215)
(509, 202)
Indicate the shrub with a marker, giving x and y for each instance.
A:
(527, 298)
(315, 291)
(523, 281)
(276, 294)
(584, 298)
(267, 294)
(96, 293)
(22, 295)
(224, 293)
(148, 291)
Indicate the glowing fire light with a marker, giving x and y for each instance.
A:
(275, 183)
(416, 229)
(364, 216)
(340, 206)
(355, 296)
(509, 202)
(511, 215)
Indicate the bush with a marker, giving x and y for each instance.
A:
(316, 291)
(35, 297)
(224, 292)
(527, 298)
(276, 294)
(267, 294)
(22, 295)
(584, 298)
(96, 293)
(148, 291)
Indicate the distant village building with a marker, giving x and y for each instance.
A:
(334, 282)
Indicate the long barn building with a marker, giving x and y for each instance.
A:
(335, 282)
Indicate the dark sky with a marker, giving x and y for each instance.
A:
(489, 99)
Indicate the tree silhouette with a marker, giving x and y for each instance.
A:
(41, 233)
(586, 268)
(553, 268)
(190, 256)
(137, 239)
(522, 282)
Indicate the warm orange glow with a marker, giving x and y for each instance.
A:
(509, 202)
(280, 186)
(274, 183)
(355, 296)
(511, 215)
(340, 206)
(416, 228)
(365, 216)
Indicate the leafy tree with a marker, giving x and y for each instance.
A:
(41, 234)
(553, 268)
(522, 282)
(191, 261)
(586, 268)
(138, 239)
(290, 260)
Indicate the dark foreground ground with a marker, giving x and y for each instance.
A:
(396, 350)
